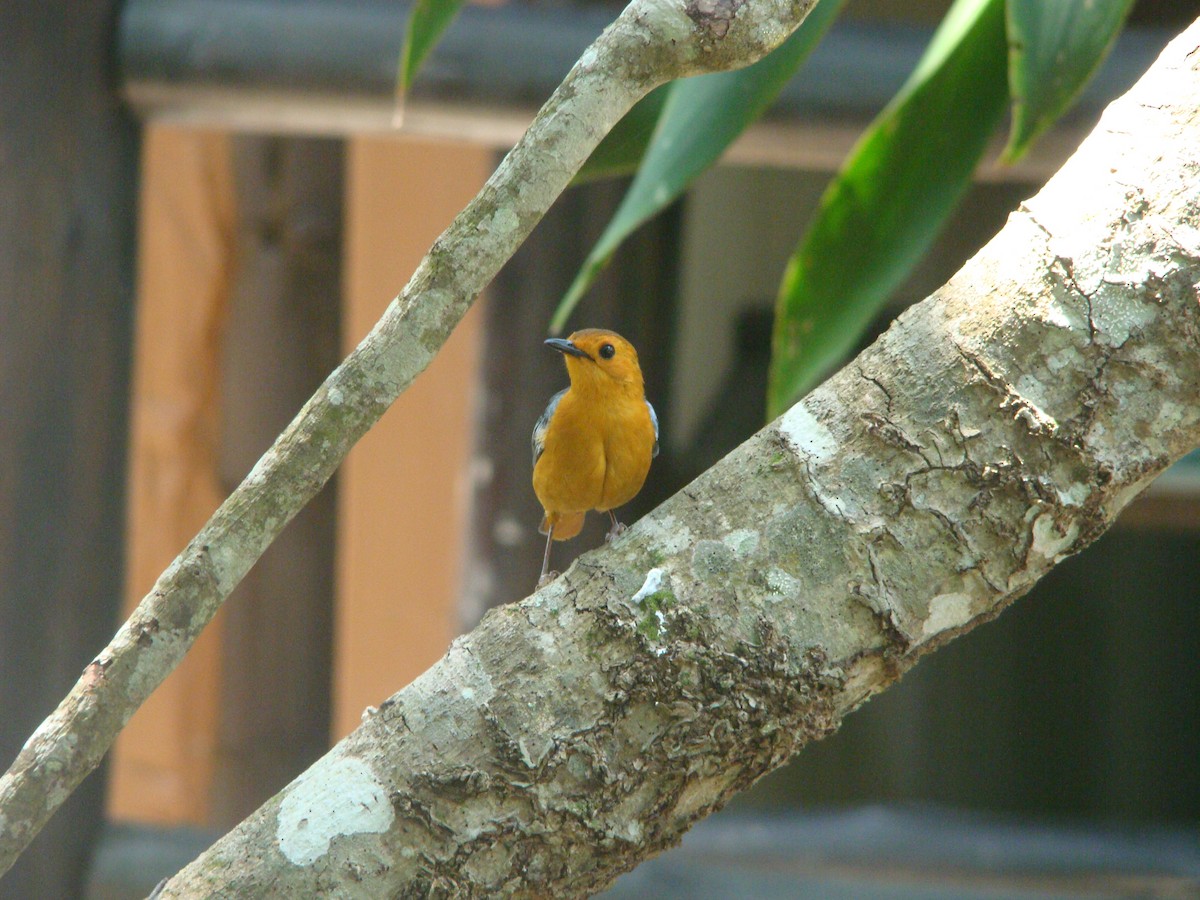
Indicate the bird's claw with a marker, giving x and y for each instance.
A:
(546, 579)
(615, 532)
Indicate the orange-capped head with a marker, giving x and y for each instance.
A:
(599, 359)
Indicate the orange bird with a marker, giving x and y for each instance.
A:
(593, 445)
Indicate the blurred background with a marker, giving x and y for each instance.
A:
(208, 208)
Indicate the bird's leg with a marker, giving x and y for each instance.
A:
(546, 577)
(616, 530)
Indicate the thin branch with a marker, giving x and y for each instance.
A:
(653, 41)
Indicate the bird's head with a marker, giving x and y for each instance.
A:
(597, 357)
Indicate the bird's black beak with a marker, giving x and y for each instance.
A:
(564, 346)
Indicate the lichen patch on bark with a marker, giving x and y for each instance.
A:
(714, 16)
(337, 797)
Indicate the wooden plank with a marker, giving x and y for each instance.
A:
(282, 340)
(163, 761)
(68, 183)
(402, 490)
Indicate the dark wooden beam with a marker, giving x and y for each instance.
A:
(282, 339)
(68, 175)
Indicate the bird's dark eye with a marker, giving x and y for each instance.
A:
(608, 351)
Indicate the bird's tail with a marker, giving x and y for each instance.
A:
(566, 525)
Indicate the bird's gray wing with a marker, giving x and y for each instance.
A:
(543, 422)
(654, 422)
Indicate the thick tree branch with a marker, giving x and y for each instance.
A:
(653, 41)
(998, 427)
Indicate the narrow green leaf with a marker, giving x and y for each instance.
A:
(426, 22)
(700, 118)
(1054, 48)
(622, 149)
(883, 210)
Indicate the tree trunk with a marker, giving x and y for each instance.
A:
(997, 428)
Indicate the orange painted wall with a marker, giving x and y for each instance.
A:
(163, 761)
(402, 491)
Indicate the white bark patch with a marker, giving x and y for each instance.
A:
(1026, 401)
(1075, 495)
(1054, 314)
(947, 611)
(503, 221)
(653, 582)
(742, 541)
(669, 21)
(145, 678)
(588, 59)
(833, 504)
(806, 433)
(629, 830)
(1067, 358)
(1048, 540)
(1119, 318)
(336, 797)
(699, 793)
(1170, 415)
(781, 586)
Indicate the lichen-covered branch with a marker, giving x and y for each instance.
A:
(997, 428)
(653, 41)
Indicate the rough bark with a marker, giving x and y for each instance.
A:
(997, 428)
(652, 41)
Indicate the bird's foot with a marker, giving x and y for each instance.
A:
(546, 579)
(615, 532)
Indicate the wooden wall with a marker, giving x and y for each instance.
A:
(400, 496)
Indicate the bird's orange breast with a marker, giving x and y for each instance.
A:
(597, 453)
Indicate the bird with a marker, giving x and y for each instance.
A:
(593, 445)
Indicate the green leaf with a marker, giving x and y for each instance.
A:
(700, 118)
(623, 148)
(426, 22)
(883, 210)
(1054, 48)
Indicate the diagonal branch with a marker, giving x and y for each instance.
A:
(998, 427)
(653, 41)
